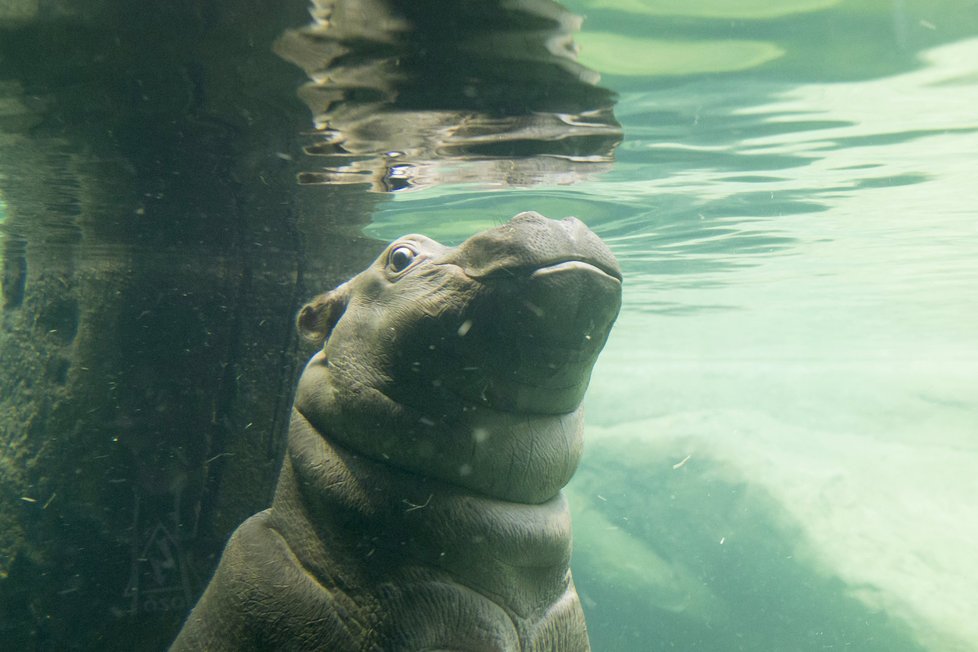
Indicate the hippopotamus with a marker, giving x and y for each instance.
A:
(419, 504)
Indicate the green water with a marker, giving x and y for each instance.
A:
(783, 451)
(782, 443)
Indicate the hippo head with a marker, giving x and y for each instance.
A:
(466, 357)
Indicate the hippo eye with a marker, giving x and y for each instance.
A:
(400, 258)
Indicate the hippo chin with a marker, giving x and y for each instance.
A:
(419, 506)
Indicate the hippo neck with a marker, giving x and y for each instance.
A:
(508, 456)
(380, 522)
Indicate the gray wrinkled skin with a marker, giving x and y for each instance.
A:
(419, 506)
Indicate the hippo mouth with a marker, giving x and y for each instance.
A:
(560, 265)
(544, 328)
(577, 265)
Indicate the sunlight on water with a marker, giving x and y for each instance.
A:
(749, 9)
(612, 53)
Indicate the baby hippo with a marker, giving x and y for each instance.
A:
(419, 505)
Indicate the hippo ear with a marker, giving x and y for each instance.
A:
(318, 317)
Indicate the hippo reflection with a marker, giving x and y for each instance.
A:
(419, 505)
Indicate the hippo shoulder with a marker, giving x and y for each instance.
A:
(260, 598)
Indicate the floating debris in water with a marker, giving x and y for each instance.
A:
(413, 507)
(535, 309)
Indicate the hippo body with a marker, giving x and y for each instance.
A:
(419, 505)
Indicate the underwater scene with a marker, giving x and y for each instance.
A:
(780, 439)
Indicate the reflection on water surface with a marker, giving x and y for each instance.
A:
(406, 95)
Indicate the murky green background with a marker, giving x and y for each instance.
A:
(783, 430)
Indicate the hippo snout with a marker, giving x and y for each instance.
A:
(543, 297)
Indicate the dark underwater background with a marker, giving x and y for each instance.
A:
(782, 442)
